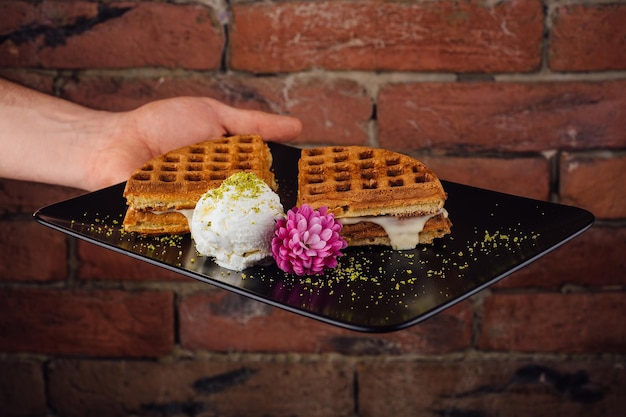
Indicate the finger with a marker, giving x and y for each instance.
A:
(271, 127)
(171, 123)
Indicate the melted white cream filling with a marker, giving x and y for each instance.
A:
(403, 232)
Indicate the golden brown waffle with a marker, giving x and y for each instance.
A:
(177, 180)
(357, 181)
(149, 223)
(354, 181)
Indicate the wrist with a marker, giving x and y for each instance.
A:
(96, 149)
(72, 141)
(45, 139)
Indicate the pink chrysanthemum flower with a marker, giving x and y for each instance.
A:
(307, 241)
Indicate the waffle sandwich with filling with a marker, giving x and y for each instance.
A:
(380, 197)
(164, 189)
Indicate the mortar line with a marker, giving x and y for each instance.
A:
(355, 387)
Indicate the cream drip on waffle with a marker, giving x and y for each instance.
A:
(403, 232)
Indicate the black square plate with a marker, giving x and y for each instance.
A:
(374, 289)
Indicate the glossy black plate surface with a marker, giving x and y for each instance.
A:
(374, 289)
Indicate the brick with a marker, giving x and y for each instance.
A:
(488, 387)
(95, 323)
(201, 388)
(498, 174)
(22, 391)
(547, 322)
(30, 252)
(588, 37)
(403, 36)
(117, 35)
(466, 117)
(27, 197)
(446, 332)
(594, 182)
(96, 263)
(126, 93)
(332, 111)
(116, 93)
(225, 322)
(590, 260)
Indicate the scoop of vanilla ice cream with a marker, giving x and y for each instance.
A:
(235, 222)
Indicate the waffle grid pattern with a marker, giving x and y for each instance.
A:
(209, 161)
(359, 169)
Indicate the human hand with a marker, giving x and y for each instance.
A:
(139, 135)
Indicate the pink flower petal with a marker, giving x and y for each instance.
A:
(326, 234)
(307, 241)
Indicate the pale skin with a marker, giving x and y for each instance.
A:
(50, 140)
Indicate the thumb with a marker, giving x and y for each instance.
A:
(271, 127)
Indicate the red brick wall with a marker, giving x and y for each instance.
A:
(521, 96)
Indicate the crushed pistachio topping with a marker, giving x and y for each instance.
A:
(243, 184)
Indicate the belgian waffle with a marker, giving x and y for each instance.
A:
(357, 182)
(177, 180)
